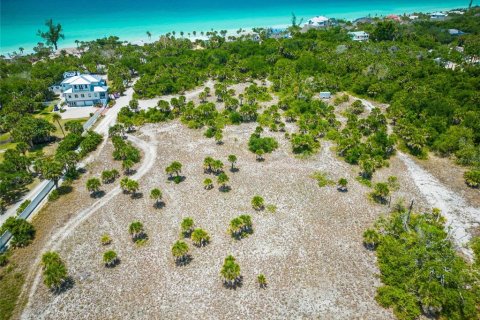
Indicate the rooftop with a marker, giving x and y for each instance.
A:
(81, 79)
(318, 19)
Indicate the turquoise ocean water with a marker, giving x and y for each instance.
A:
(92, 19)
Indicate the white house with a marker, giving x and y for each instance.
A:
(318, 22)
(325, 95)
(439, 16)
(359, 35)
(84, 90)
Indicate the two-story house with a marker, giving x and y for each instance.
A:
(84, 90)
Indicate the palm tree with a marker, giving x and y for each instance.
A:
(156, 195)
(218, 137)
(208, 183)
(207, 164)
(342, 184)
(21, 49)
(222, 180)
(57, 117)
(124, 184)
(380, 192)
(180, 252)
(194, 33)
(230, 272)
(53, 34)
(371, 238)
(262, 281)
(136, 231)
(149, 35)
(187, 227)
(174, 167)
(93, 185)
(241, 226)
(200, 237)
(259, 154)
(217, 166)
(55, 272)
(105, 239)
(110, 258)
(232, 159)
(132, 187)
(258, 203)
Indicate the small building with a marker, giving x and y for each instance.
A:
(439, 16)
(84, 90)
(325, 95)
(413, 17)
(393, 17)
(455, 32)
(359, 35)
(318, 22)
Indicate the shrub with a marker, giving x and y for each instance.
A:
(22, 231)
(187, 227)
(241, 226)
(23, 206)
(105, 239)
(322, 179)
(110, 258)
(258, 203)
(55, 272)
(266, 144)
(472, 178)
(304, 144)
(380, 192)
(200, 237)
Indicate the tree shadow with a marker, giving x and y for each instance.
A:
(64, 189)
(342, 189)
(98, 194)
(130, 172)
(68, 284)
(159, 205)
(113, 264)
(260, 159)
(181, 262)
(370, 246)
(177, 179)
(137, 195)
(233, 285)
(224, 188)
(234, 169)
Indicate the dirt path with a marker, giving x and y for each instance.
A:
(150, 150)
(461, 218)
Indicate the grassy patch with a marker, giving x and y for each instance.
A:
(364, 181)
(11, 283)
(322, 179)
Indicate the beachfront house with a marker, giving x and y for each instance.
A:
(318, 22)
(358, 35)
(439, 16)
(84, 90)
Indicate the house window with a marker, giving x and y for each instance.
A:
(96, 94)
(82, 95)
(76, 96)
(89, 95)
(69, 95)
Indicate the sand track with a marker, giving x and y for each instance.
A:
(461, 217)
(55, 242)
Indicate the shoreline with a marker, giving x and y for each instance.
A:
(138, 39)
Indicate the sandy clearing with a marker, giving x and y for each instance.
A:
(314, 267)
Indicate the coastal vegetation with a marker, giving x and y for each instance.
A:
(429, 108)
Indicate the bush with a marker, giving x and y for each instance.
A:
(266, 144)
(54, 195)
(22, 231)
(322, 179)
(23, 206)
(304, 144)
(472, 178)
